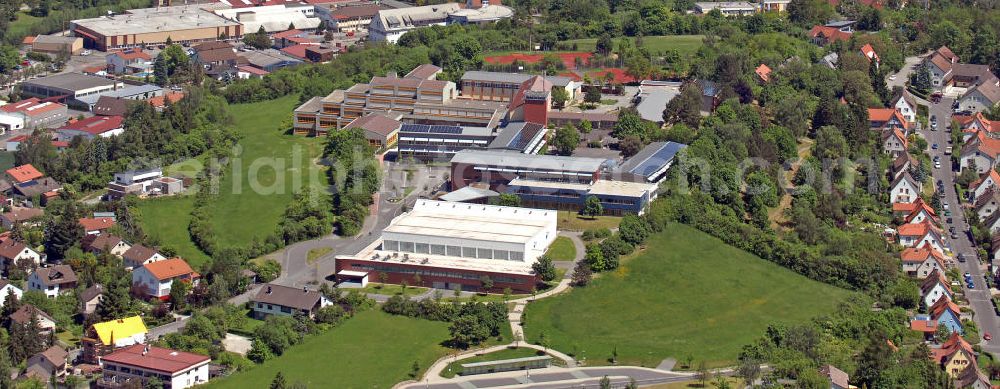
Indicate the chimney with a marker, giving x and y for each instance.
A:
(304, 290)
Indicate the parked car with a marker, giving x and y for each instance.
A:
(947, 150)
(934, 146)
(968, 275)
(954, 235)
(970, 286)
(948, 220)
(937, 164)
(961, 257)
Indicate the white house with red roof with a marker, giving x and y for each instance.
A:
(129, 61)
(906, 105)
(869, 52)
(134, 365)
(92, 127)
(934, 287)
(881, 118)
(96, 225)
(920, 213)
(30, 114)
(921, 262)
(13, 251)
(894, 142)
(920, 235)
(985, 183)
(155, 279)
(981, 150)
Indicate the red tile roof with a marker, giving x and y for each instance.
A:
(941, 305)
(252, 70)
(829, 34)
(953, 345)
(156, 358)
(911, 254)
(297, 51)
(31, 107)
(869, 52)
(287, 34)
(160, 101)
(96, 224)
(915, 229)
(28, 40)
(130, 54)
(95, 125)
(925, 326)
(24, 173)
(764, 72)
(169, 268)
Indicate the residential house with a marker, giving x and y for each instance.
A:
(987, 182)
(217, 58)
(904, 189)
(134, 182)
(838, 378)
(274, 299)
(980, 150)
(42, 189)
(934, 287)
(49, 363)
(156, 278)
(18, 215)
(882, 118)
(981, 98)
(995, 247)
(919, 212)
(940, 64)
(12, 251)
(824, 35)
(111, 106)
(925, 325)
(921, 262)
(247, 71)
(906, 105)
(129, 61)
(6, 289)
(93, 226)
(92, 127)
(894, 142)
(973, 379)
(23, 173)
(90, 297)
(946, 313)
(955, 355)
(987, 204)
(900, 165)
(992, 222)
(52, 280)
(132, 366)
(869, 52)
(99, 243)
(920, 235)
(139, 255)
(104, 337)
(46, 324)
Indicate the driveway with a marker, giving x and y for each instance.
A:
(979, 298)
(909, 65)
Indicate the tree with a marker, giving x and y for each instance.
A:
(178, 293)
(592, 94)
(258, 40)
(566, 139)
(116, 302)
(581, 274)
(5, 365)
(153, 383)
(508, 200)
(807, 13)
(559, 97)
(595, 258)
(630, 146)
(920, 79)
(486, 283)
(748, 370)
(260, 352)
(64, 230)
(604, 45)
(9, 58)
(630, 124)
(544, 268)
(605, 383)
(638, 67)
(703, 374)
(686, 107)
(592, 207)
(278, 382)
(468, 330)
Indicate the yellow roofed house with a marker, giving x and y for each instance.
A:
(103, 338)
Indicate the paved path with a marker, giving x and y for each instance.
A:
(555, 377)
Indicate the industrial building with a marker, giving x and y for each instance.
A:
(273, 18)
(31, 114)
(184, 24)
(390, 24)
(56, 44)
(454, 245)
(497, 86)
(70, 87)
(351, 18)
(650, 164)
(128, 92)
(497, 168)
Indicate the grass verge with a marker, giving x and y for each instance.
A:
(562, 249)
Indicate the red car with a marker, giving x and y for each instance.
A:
(987, 336)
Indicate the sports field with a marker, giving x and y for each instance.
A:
(687, 294)
(684, 44)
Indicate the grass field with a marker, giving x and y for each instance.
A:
(562, 249)
(684, 44)
(166, 220)
(688, 294)
(261, 181)
(6, 160)
(570, 220)
(371, 350)
(455, 368)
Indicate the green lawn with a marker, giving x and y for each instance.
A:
(684, 44)
(570, 220)
(562, 249)
(371, 350)
(6, 160)
(455, 368)
(688, 294)
(317, 253)
(389, 289)
(271, 166)
(166, 220)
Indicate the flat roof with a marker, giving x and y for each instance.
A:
(652, 158)
(443, 130)
(478, 75)
(534, 161)
(127, 91)
(71, 81)
(372, 254)
(654, 99)
(599, 187)
(724, 4)
(473, 221)
(156, 20)
(468, 193)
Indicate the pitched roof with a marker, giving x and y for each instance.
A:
(91, 293)
(286, 34)
(131, 54)
(989, 90)
(96, 224)
(217, 55)
(376, 123)
(423, 71)
(169, 268)
(37, 187)
(121, 328)
(936, 277)
(10, 249)
(213, 45)
(993, 175)
(764, 72)
(829, 34)
(161, 101)
(24, 173)
(916, 229)
(100, 242)
(55, 355)
(155, 358)
(918, 255)
(925, 326)
(138, 253)
(968, 378)
(252, 70)
(95, 125)
(23, 314)
(950, 347)
(31, 107)
(287, 296)
(835, 375)
(906, 96)
(941, 305)
(945, 52)
(111, 106)
(904, 177)
(869, 52)
(56, 275)
(984, 144)
(20, 214)
(897, 133)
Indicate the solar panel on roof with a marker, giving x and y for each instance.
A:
(658, 159)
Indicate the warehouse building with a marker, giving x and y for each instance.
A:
(454, 245)
(71, 87)
(31, 114)
(273, 18)
(351, 18)
(184, 24)
(497, 168)
(57, 44)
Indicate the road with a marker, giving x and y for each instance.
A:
(909, 65)
(979, 298)
(555, 377)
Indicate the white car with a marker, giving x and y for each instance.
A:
(937, 164)
(85, 52)
(892, 77)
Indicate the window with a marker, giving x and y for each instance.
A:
(286, 309)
